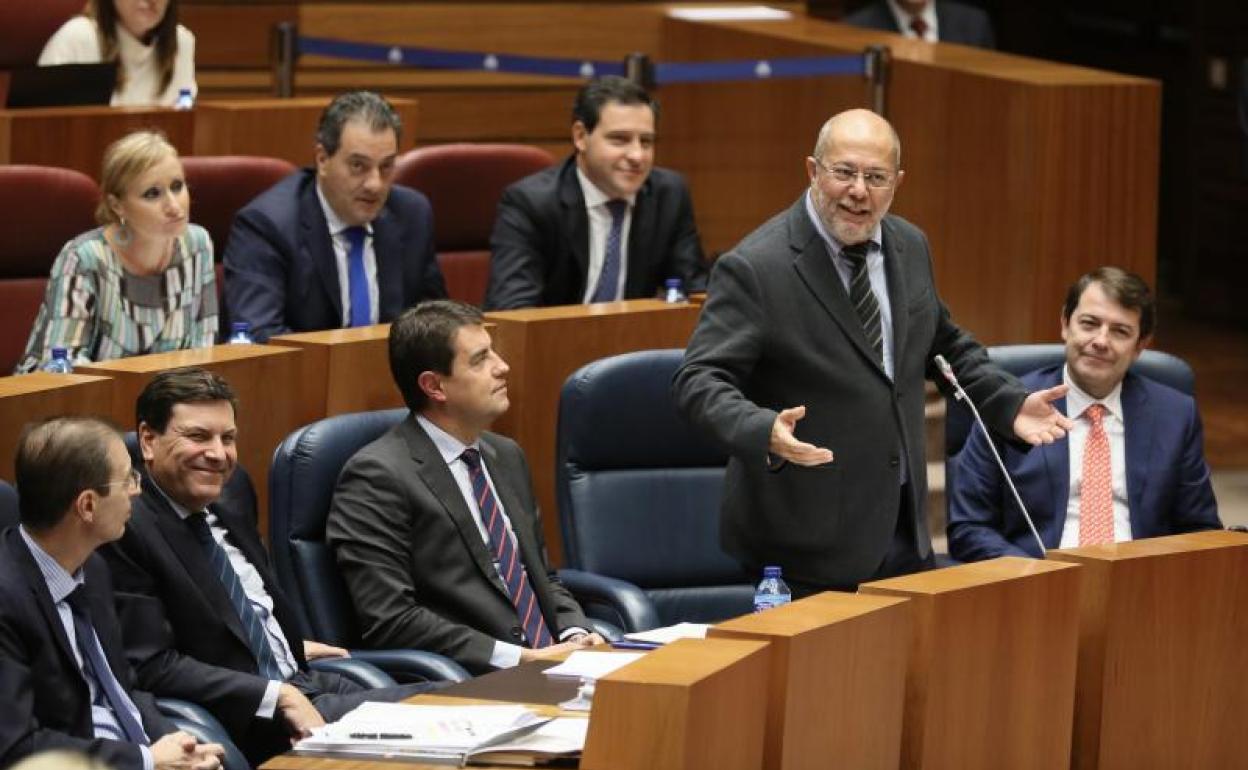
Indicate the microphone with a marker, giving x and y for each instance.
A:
(947, 372)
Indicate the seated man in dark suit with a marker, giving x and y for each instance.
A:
(605, 224)
(434, 524)
(206, 620)
(1132, 467)
(335, 245)
(64, 680)
(942, 21)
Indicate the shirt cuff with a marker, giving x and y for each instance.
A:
(572, 631)
(268, 704)
(148, 762)
(505, 655)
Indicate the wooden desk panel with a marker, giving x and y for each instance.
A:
(76, 137)
(991, 682)
(546, 345)
(275, 128)
(26, 398)
(344, 370)
(1162, 653)
(838, 666)
(266, 379)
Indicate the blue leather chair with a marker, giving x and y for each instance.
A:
(1021, 359)
(639, 496)
(301, 486)
(186, 716)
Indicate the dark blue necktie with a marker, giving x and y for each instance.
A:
(509, 565)
(608, 289)
(357, 278)
(257, 639)
(96, 667)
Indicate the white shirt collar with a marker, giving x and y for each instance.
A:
(594, 196)
(1078, 400)
(448, 446)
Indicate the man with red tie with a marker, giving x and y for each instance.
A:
(931, 20)
(435, 525)
(1133, 465)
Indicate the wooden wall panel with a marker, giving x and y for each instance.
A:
(26, 398)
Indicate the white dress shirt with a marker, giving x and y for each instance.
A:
(60, 585)
(342, 249)
(599, 228)
(1077, 401)
(505, 655)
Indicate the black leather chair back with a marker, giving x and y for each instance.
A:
(639, 491)
(9, 515)
(301, 486)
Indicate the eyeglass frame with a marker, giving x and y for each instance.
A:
(134, 479)
(855, 173)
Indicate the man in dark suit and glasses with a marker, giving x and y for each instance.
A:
(206, 618)
(808, 362)
(606, 223)
(64, 679)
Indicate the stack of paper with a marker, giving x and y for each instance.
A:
(666, 634)
(584, 664)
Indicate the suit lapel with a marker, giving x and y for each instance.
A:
(35, 582)
(437, 476)
(640, 235)
(318, 243)
(575, 219)
(898, 292)
(389, 263)
(1139, 423)
(814, 266)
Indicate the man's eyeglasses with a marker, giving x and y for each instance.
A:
(847, 174)
(130, 483)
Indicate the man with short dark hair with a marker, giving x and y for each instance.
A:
(1134, 464)
(435, 526)
(64, 679)
(335, 245)
(605, 224)
(207, 620)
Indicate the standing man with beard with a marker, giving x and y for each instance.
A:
(808, 363)
(336, 245)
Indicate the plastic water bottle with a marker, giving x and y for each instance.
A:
(772, 591)
(240, 333)
(59, 362)
(185, 99)
(673, 291)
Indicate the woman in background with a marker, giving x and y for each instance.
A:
(155, 55)
(141, 283)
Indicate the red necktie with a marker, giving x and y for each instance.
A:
(919, 27)
(1096, 491)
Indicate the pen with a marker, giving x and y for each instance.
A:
(625, 644)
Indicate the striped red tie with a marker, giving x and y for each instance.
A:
(506, 557)
(1096, 490)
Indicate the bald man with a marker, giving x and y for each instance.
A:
(808, 364)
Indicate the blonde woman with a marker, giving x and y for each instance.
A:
(143, 282)
(155, 54)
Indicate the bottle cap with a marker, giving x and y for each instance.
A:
(60, 353)
(771, 572)
(672, 283)
(240, 326)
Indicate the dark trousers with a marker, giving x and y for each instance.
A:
(901, 558)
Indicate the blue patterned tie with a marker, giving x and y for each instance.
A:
(257, 639)
(357, 278)
(608, 288)
(863, 298)
(509, 566)
(94, 663)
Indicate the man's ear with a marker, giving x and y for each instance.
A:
(147, 442)
(430, 383)
(321, 158)
(579, 136)
(85, 505)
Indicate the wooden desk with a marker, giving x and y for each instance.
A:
(266, 379)
(76, 137)
(991, 682)
(838, 669)
(344, 370)
(25, 398)
(1163, 652)
(546, 345)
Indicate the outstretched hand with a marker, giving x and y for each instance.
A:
(787, 446)
(1038, 421)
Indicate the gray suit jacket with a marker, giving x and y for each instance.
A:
(957, 23)
(778, 331)
(414, 561)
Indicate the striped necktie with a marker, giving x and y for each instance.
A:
(506, 557)
(863, 298)
(96, 666)
(608, 288)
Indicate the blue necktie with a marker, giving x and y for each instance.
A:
(608, 288)
(96, 667)
(357, 278)
(509, 566)
(257, 639)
